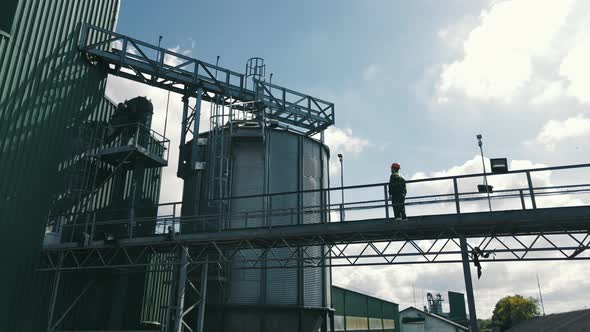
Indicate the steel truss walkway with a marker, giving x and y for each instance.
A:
(541, 234)
(447, 224)
(514, 234)
(523, 231)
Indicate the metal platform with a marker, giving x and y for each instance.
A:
(135, 143)
(516, 234)
(132, 153)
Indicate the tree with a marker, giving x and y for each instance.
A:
(485, 325)
(511, 310)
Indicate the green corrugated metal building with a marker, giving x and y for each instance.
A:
(46, 91)
(356, 311)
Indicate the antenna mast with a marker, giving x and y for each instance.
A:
(540, 295)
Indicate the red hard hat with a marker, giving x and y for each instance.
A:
(395, 166)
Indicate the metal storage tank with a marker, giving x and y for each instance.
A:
(283, 161)
(265, 161)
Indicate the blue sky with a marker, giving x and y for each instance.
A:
(412, 82)
(328, 50)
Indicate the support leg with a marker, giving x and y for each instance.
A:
(183, 130)
(54, 293)
(180, 289)
(468, 286)
(196, 123)
(203, 291)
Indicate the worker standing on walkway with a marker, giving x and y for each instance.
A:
(397, 192)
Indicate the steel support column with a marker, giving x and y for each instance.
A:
(196, 122)
(183, 130)
(468, 286)
(203, 291)
(54, 291)
(180, 289)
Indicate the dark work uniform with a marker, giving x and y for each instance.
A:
(397, 192)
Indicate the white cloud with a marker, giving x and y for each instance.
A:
(550, 93)
(173, 60)
(396, 283)
(555, 131)
(575, 69)
(342, 140)
(499, 182)
(499, 54)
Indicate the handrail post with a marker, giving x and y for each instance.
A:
(386, 201)
(531, 190)
(269, 214)
(456, 191)
(522, 199)
(123, 50)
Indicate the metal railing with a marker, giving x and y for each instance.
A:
(158, 61)
(364, 202)
(156, 66)
(139, 136)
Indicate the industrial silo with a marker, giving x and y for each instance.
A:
(265, 160)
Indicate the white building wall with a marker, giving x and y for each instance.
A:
(430, 324)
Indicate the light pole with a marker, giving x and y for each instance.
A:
(485, 177)
(341, 185)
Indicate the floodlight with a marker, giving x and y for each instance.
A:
(499, 165)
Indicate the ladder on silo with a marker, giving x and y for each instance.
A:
(81, 173)
(219, 142)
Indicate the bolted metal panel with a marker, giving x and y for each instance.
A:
(312, 281)
(312, 178)
(281, 284)
(374, 307)
(45, 86)
(356, 305)
(457, 307)
(248, 179)
(363, 312)
(158, 288)
(245, 284)
(388, 310)
(285, 161)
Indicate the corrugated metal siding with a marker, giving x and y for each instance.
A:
(44, 85)
(360, 312)
(158, 288)
(313, 284)
(281, 284)
(295, 163)
(245, 284)
(283, 157)
(457, 306)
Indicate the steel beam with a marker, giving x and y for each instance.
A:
(180, 289)
(196, 122)
(54, 292)
(203, 300)
(468, 286)
(183, 131)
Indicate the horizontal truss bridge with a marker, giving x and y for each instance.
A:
(525, 234)
(149, 64)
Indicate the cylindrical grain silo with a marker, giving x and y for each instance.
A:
(274, 298)
(271, 298)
